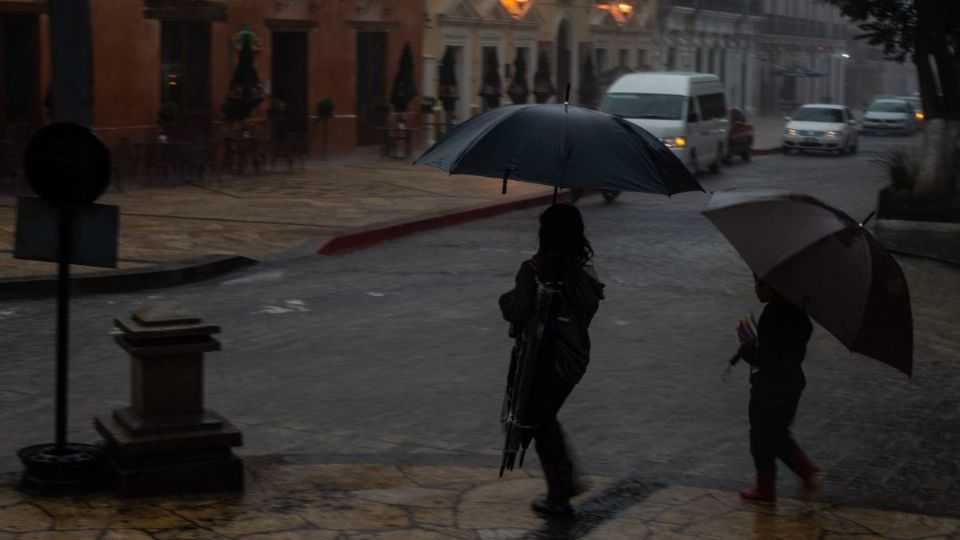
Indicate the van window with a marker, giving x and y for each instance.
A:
(712, 106)
(665, 106)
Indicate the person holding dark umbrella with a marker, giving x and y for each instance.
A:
(563, 260)
(810, 261)
(776, 383)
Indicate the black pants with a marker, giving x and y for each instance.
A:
(770, 436)
(548, 436)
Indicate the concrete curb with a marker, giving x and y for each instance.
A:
(202, 268)
(353, 241)
(164, 275)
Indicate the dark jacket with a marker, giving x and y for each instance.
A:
(782, 334)
(569, 339)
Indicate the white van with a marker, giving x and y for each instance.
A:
(687, 111)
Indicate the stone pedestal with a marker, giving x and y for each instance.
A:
(166, 442)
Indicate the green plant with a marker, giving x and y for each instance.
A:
(902, 167)
(325, 108)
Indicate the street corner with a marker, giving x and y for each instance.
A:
(681, 512)
(336, 501)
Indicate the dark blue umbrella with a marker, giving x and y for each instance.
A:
(562, 146)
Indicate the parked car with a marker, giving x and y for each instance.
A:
(821, 126)
(686, 111)
(917, 105)
(889, 116)
(739, 135)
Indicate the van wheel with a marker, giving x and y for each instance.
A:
(745, 155)
(715, 166)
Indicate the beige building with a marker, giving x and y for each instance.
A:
(566, 32)
(714, 36)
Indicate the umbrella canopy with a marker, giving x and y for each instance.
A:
(543, 88)
(447, 88)
(403, 88)
(589, 92)
(825, 262)
(560, 145)
(518, 89)
(490, 87)
(246, 91)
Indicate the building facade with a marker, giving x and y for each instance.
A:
(804, 55)
(175, 59)
(482, 40)
(714, 36)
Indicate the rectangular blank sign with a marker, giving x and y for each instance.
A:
(94, 233)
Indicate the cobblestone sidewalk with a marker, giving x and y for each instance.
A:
(287, 501)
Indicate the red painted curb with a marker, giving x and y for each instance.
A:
(361, 239)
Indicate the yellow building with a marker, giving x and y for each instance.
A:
(566, 32)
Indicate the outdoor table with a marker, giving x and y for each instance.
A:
(160, 158)
(239, 150)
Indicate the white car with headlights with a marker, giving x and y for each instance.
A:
(821, 126)
(890, 116)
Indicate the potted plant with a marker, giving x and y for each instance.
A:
(277, 108)
(325, 108)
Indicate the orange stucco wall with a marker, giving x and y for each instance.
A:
(126, 48)
(126, 65)
(126, 69)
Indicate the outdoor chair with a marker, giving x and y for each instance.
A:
(293, 147)
(200, 159)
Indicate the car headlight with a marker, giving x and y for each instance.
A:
(833, 134)
(674, 142)
(790, 131)
(918, 115)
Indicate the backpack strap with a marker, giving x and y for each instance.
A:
(534, 265)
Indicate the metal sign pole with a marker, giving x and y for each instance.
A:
(63, 323)
(68, 167)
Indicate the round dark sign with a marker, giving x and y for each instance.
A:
(67, 165)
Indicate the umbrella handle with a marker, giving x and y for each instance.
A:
(506, 174)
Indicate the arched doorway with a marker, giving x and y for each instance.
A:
(563, 59)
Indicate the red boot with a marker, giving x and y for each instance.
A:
(766, 490)
(812, 476)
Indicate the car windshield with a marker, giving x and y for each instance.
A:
(661, 106)
(914, 102)
(816, 114)
(887, 106)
